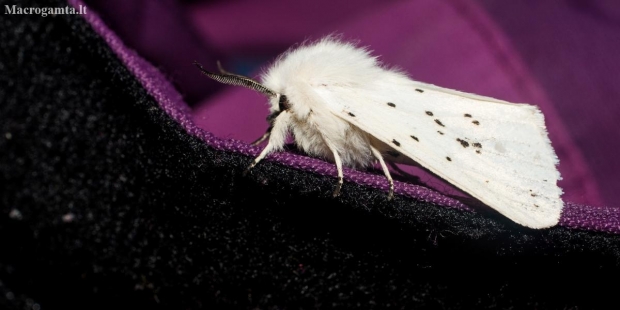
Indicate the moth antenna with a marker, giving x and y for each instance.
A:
(223, 71)
(235, 79)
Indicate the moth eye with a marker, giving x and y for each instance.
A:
(283, 104)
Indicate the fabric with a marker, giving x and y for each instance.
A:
(121, 191)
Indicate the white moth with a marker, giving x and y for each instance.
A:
(342, 105)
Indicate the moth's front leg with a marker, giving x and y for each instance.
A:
(270, 119)
(263, 137)
(277, 137)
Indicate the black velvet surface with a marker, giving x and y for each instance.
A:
(107, 202)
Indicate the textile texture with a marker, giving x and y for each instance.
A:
(121, 167)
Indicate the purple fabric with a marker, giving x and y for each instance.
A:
(158, 30)
(453, 44)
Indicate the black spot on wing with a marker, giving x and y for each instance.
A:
(441, 133)
(449, 159)
(439, 123)
(419, 90)
(353, 115)
(393, 153)
(463, 142)
(415, 138)
(477, 145)
(429, 113)
(467, 115)
(476, 122)
(391, 104)
(478, 151)
(395, 142)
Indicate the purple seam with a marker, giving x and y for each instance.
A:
(573, 216)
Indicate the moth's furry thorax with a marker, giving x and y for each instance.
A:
(331, 64)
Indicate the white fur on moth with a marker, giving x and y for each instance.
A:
(341, 104)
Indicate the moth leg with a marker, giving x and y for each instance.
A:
(263, 137)
(338, 166)
(378, 156)
(271, 120)
(277, 138)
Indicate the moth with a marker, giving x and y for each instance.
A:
(341, 104)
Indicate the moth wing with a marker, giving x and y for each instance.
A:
(498, 152)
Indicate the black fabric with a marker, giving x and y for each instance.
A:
(107, 202)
